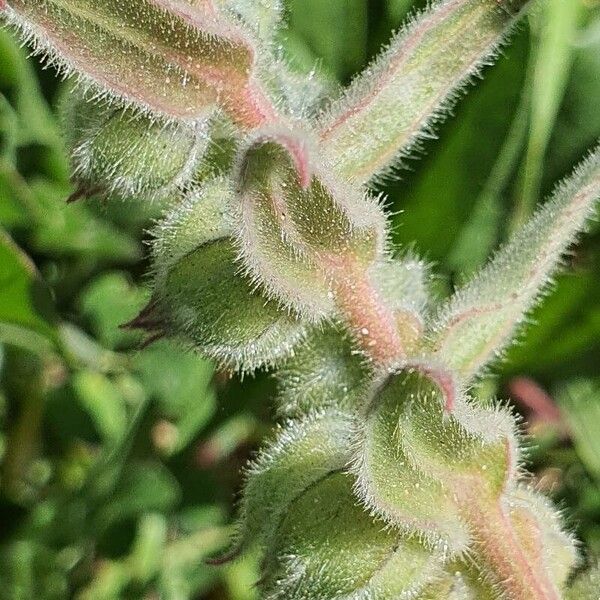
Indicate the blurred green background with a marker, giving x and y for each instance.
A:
(120, 465)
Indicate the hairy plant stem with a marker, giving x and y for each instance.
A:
(497, 542)
(372, 322)
(499, 546)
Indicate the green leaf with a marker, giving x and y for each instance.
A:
(103, 401)
(556, 27)
(36, 123)
(109, 301)
(181, 382)
(64, 229)
(580, 401)
(341, 48)
(144, 487)
(25, 314)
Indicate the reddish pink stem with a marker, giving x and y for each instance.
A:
(519, 573)
(373, 322)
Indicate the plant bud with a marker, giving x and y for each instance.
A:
(413, 460)
(169, 57)
(124, 154)
(304, 452)
(200, 297)
(299, 228)
(328, 546)
(326, 371)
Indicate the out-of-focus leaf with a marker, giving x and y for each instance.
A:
(19, 83)
(480, 235)
(581, 402)
(555, 29)
(30, 570)
(144, 487)
(109, 582)
(226, 439)
(103, 401)
(180, 381)
(24, 300)
(342, 48)
(149, 547)
(241, 577)
(83, 351)
(110, 301)
(565, 337)
(578, 124)
(183, 574)
(71, 229)
(397, 9)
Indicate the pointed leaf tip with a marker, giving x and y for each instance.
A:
(478, 322)
(395, 103)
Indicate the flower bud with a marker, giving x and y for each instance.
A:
(122, 153)
(168, 57)
(304, 451)
(199, 295)
(325, 371)
(328, 546)
(413, 459)
(299, 227)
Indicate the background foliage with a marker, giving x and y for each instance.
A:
(119, 465)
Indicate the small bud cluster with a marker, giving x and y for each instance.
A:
(385, 480)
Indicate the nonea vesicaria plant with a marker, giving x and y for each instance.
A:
(385, 480)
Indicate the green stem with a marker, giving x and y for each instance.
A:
(26, 386)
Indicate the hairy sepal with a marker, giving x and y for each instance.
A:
(118, 152)
(326, 371)
(397, 100)
(199, 295)
(462, 581)
(327, 546)
(300, 228)
(543, 537)
(304, 451)
(413, 460)
(402, 284)
(166, 56)
(477, 323)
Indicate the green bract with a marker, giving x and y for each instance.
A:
(385, 479)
